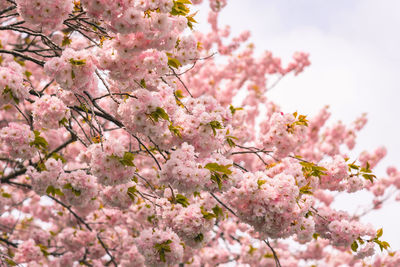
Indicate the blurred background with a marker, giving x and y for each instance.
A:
(354, 51)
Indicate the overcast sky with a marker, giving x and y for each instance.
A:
(354, 47)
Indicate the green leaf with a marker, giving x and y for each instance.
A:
(175, 130)
(162, 248)
(218, 211)
(57, 156)
(41, 166)
(63, 122)
(84, 107)
(174, 63)
(158, 114)
(51, 190)
(151, 218)
(217, 179)
(252, 250)
(207, 215)
(132, 192)
(199, 238)
(79, 62)
(52, 233)
(353, 166)
(216, 171)
(43, 249)
(181, 199)
(215, 167)
(191, 20)
(369, 177)
(39, 142)
(66, 41)
(75, 191)
(233, 109)
(379, 233)
(230, 142)
(127, 159)
(385, 245)
(7, 90)
(180, 8)
(20, 62)
(301, 120)
(28, 74)
(310, 169)
(354, 246)
(379, 243)
(161, 112)
(6, 195)
(260, 183)
(179, 94)
(10, 262)
(215, 125)
(306, 190)
(143, 83)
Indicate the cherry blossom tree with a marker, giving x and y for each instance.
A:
(128, 138)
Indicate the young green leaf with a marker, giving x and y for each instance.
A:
(215, 125)
(79, 62)
(217, 211)
(75, 191)
(260, 183)
(199, 238)
(51, 190)
(215, 167)
(181, 199)
(379, 233)
(132, 192)
(174, 63)
(162, 248)
(158, 114)
(354, 246)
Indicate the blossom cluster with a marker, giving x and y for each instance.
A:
(160, 247)
(147, 37)
(187, 174)
(16, 141)
(147, 113)
(48, 15)
(49, 112)
(189, 223)
(283, 134)
(73, 71)
(270, 204)
(12, 87)
(203, 126)
(106, 161)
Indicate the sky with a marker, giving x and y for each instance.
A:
(354, 48)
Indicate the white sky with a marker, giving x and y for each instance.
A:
(354, 47)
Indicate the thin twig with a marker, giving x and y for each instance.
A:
(18, 54)
(277, 263)
(223, 204)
